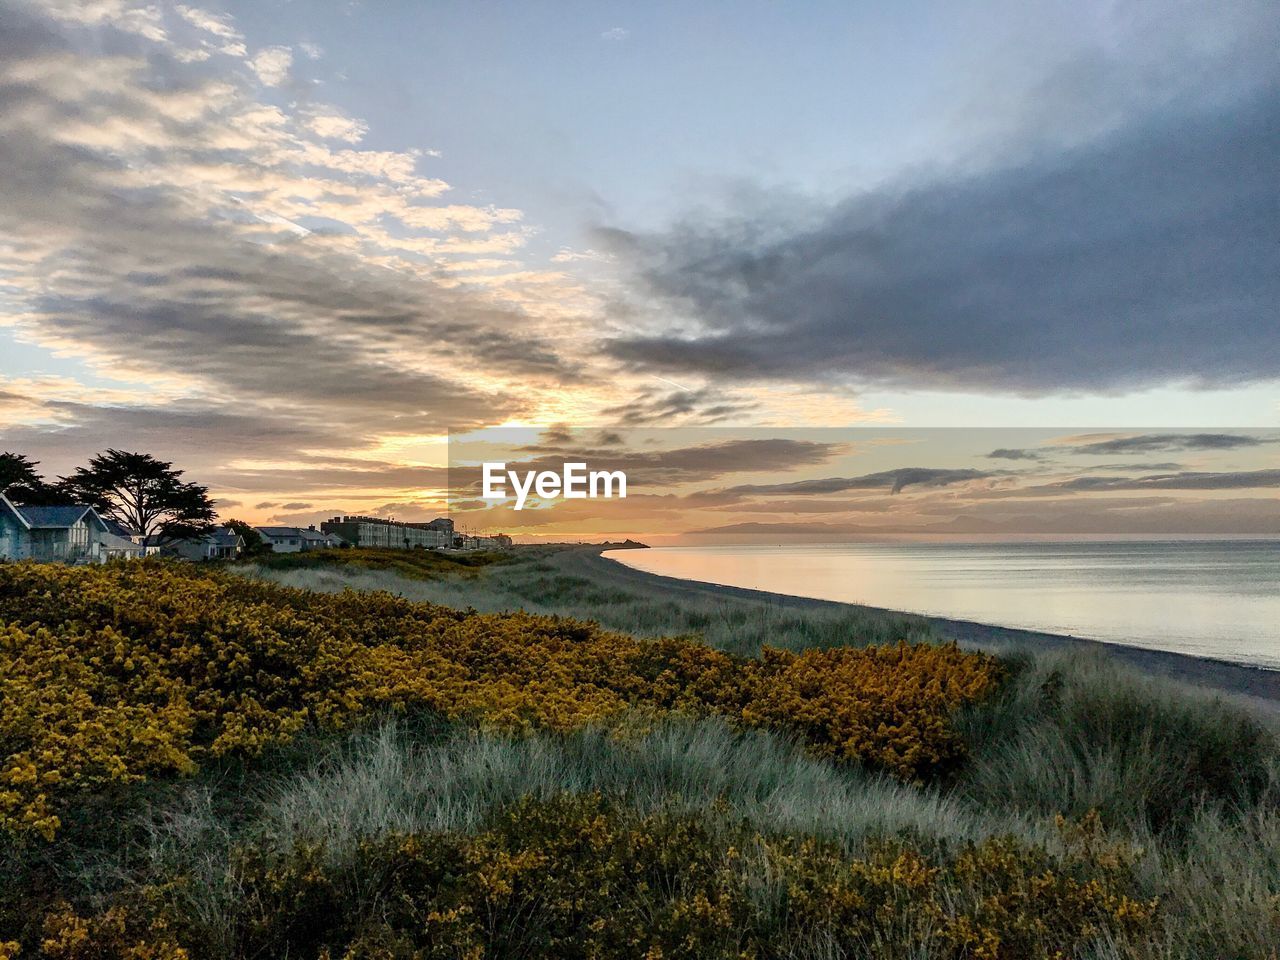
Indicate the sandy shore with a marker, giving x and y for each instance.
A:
(1257, 684)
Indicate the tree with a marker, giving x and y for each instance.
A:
(254, 545)
(144, 494)
(22, 483)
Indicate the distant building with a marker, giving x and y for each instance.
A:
(376, 532)
(67, 533)
(437, 534)
(297, 539)
(441, 524)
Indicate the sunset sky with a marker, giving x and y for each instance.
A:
(1030, 251)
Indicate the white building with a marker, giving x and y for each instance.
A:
(297, 539)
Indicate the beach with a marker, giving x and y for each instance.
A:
(1259, 685)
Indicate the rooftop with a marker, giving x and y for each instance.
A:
(53, 517)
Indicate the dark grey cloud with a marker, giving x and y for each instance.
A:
(1149, 255)
(200, 436)
(678, 465)
(704, 405)
(894, 480)
(1235, 480)
(1114, 467)
(317, 476)
(1171, 442)
(1014, 453)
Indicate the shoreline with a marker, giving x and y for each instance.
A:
(1259, 685)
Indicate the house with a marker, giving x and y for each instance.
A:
(313, 539)
(119, 541)
(296, 539)
(67, 533)
(282, 539)
(222, 543)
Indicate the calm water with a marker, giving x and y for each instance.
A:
(1216, 599)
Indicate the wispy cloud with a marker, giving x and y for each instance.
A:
(260, 275)
(1237, 480)
(1169, 443)
(272, 65)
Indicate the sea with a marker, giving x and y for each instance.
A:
(1208, 598)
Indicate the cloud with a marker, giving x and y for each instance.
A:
(1098, 467)
(1148, 256)
(615, 34)
(311, 51)
(272, 64)
(1169, 443)
(272, 292)
(566, 255)
(677, 465)
(220, 25)
(1007, 453)
(335, 126)
(1237, 480)
(704, 405)
(894, 480)
(1069, 517)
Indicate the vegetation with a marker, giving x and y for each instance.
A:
(203, 765)
(563, 581)
(145, 495)
(254, 544)
(116, 673)
(22, 483)
(408, 564)
(578, 876)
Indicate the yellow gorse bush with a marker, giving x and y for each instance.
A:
(575, 877)
(113, 674)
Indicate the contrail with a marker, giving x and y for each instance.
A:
(674, 384)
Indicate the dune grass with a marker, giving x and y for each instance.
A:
(563, 581)
(408, 564)
(1216, 877)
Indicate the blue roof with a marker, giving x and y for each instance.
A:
(116, 527)
(60, 516)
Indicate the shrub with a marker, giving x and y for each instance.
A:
(113, 674)
(576, 876)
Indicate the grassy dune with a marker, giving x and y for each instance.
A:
(1088, 811)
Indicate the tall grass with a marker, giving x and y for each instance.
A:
(573, 582)
(386, 781)
(1218, 879)
(1074, 732)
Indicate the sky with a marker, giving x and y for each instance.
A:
(293, 247)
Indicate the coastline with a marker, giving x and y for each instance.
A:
(1258, 685)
